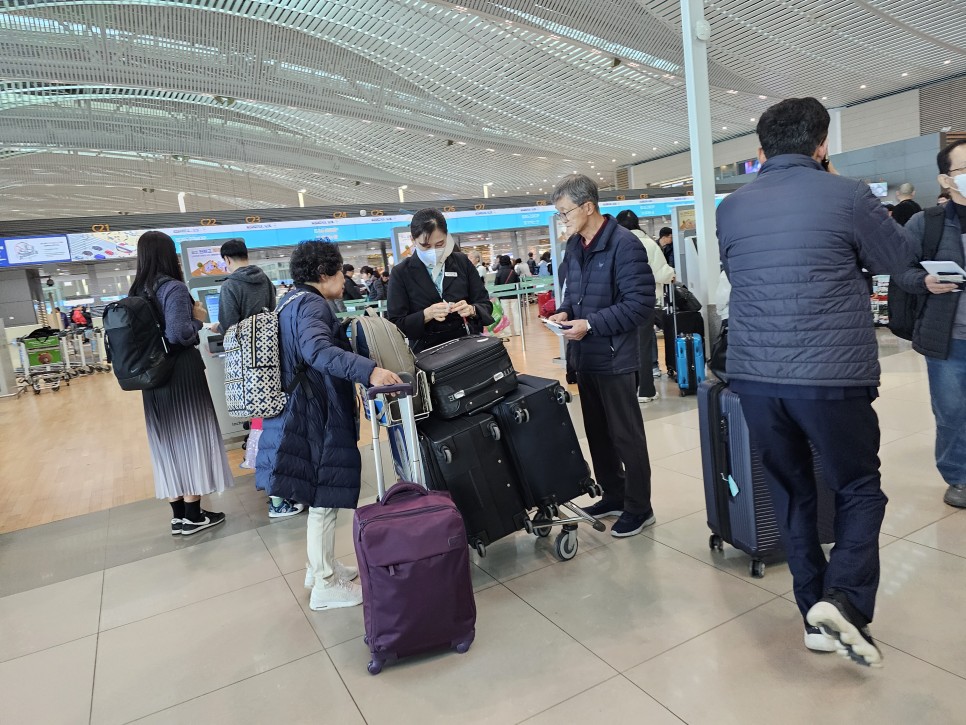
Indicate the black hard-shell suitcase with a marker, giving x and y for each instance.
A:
(467, 374)
(739, 506)
(466, 457)
(542, 441)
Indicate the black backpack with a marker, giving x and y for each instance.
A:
(142, 358)
(905, 308)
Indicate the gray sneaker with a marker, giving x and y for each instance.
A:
(956, 496)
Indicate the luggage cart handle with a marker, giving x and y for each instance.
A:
(404, 389)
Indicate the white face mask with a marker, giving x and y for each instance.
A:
(959, 182)
(429, 257)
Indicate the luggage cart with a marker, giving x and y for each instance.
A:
(41, 368)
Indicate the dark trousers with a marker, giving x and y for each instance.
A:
(846, 435)
(647, 342)
(615, 434)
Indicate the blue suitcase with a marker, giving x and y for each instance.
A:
(689, 362)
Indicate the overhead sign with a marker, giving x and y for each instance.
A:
(33, 250)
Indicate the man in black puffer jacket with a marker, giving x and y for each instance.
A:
(802, 355)
(609, 294)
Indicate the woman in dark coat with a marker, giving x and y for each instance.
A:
(187, 452)
(436, 295)
(309, 453)
(506, 274)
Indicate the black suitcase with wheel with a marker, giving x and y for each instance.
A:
(467, 374)
(739, 506)
(543, 444)
(466, 457)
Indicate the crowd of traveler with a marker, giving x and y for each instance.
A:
(802, 355)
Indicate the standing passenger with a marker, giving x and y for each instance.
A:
(187, 452)
(609, 295)
(803, 356)
(310, 452)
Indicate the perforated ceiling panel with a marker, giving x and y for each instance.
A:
(245, 102)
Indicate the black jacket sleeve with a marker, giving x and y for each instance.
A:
(399, 308)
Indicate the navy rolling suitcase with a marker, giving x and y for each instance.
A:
(689, 356)
(466, 458)
(738, 502)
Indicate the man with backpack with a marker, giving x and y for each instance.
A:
(247, 290)
(938, 319)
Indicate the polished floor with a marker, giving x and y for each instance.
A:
(105, 618)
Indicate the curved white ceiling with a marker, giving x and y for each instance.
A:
(350, 99)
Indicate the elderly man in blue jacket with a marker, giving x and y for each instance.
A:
(802, 354)
(609, 294)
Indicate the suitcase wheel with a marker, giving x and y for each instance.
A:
(374, 667)
(565, 545)
(446, 454)
(495, 431)
(563, 396)
(541, 526)
(757, 568)
(463, 647)
(480, 548)
(715, 542)
(521, 415)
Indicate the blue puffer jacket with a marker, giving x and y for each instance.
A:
(793, 243)
(309, 453)
(611, 286)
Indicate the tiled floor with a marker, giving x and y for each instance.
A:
(106, 618)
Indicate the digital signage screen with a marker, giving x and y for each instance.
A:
(33, 250)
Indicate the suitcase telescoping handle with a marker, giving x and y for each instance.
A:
(405, 392)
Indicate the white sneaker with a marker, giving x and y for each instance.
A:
(341, 571)
(817, 641)
(334, 595)
(642, 399)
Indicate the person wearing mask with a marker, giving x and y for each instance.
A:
(187, 452)
(368, 274)
(803, 357)
(436, 295)
(378, 286)
(247, 290)
(544, 267)
(940, 330)
(906, 207)
(351, 291)
(647, 338)
(310, 452)
(666, 239)
(609, 296)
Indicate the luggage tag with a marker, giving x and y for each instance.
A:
(732, 486)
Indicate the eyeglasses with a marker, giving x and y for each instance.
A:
(565, 214)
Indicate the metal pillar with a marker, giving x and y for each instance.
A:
(697, 32)
(835, 131)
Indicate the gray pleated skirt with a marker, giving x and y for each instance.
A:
(187, 452)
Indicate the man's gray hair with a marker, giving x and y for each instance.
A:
(906, 189)
(578, 188)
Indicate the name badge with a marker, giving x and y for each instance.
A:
(450, 274)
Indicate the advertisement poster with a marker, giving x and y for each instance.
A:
(206, 262)
(104, 245)
(33, 250)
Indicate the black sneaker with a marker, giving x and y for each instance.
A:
(176, 525)
(208, 519)
(838, 618)
(605, 508)
(630, 524)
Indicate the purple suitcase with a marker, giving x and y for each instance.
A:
(414, 565)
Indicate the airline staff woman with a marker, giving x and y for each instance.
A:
(436, 295)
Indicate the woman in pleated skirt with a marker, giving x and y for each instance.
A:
(187, 452)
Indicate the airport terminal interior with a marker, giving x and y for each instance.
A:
(273, 122)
